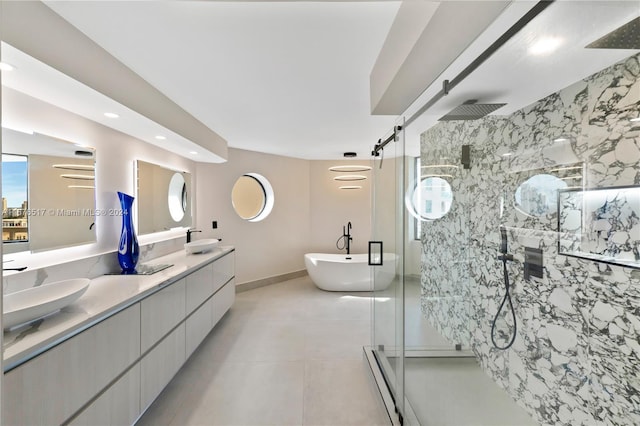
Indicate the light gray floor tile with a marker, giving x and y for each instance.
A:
(255, 393)
(456, 392)
(338, 392)
(258, 363)
(336, 339)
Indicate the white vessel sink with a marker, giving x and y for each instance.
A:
(200, 246)
(32, 303)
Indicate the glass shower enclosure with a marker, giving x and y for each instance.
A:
(422, 325)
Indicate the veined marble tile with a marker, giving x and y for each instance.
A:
(576, 355)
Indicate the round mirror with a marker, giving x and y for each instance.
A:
(538, 195)
(431, 199)
(252, 197)
(177, 197)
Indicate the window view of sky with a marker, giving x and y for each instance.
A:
(14, 179)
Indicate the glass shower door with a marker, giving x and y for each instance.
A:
(388, 258)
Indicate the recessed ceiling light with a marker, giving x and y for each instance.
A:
(507, 154)
(545, 45)
(6, 67)
(193, 152)
(161, 138)
(635, 119)
(561, 139)
(111, 115)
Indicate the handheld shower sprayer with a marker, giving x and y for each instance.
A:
(504, 257)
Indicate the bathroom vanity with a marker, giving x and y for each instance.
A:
(105, 359)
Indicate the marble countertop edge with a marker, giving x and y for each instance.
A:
(106, 296)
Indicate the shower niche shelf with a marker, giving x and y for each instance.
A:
(600, 224)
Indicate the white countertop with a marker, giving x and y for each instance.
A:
(105, 296)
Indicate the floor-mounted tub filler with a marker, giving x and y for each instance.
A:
(341, 272)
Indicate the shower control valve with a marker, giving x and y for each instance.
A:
(506, 257)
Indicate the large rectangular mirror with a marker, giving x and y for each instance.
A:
(48, 192)
(164, 198)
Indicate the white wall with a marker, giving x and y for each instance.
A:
(273, 246)
(35, 29)
(332, 208)
(116, 154)
(308, 213)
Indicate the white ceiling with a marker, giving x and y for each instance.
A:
(288, 78)
(514, 75)
(292, 78)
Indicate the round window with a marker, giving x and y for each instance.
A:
(431, 199)
(252, 197)
(177, 197)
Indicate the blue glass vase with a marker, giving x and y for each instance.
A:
(128, 249)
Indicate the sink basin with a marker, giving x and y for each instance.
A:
(36, 302)
(200, 246)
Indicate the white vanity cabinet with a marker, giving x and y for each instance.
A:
(54, 385)
(118, 405)
(198, 326)
(160, 312)
(111, 372)
(160, 365)
(199, 286)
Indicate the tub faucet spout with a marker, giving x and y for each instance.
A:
(348, 238)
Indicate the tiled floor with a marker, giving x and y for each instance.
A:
(286, 354)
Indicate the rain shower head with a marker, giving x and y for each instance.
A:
(624, 37)
(470, 110)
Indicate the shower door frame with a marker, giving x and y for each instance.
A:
(389, 228)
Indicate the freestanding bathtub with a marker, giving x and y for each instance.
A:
(342, 272)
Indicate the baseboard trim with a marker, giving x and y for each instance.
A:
(250, 285)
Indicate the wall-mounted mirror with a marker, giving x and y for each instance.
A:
(164, 198)
(252, 197)
(48, 192)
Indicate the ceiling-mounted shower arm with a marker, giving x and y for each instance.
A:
(381, 144)
(447, 85)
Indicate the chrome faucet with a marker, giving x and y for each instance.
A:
(189, 232)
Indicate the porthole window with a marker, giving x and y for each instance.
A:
(177, 197)
(252, 197)
(431, 199)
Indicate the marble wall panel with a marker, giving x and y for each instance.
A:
(576, 357)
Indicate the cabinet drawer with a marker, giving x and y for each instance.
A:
(199, 287)
(161, 312)
(223, 270)
(198, 325)
(53, 386)
(160, 365)
(223, 300)
(119, 405)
